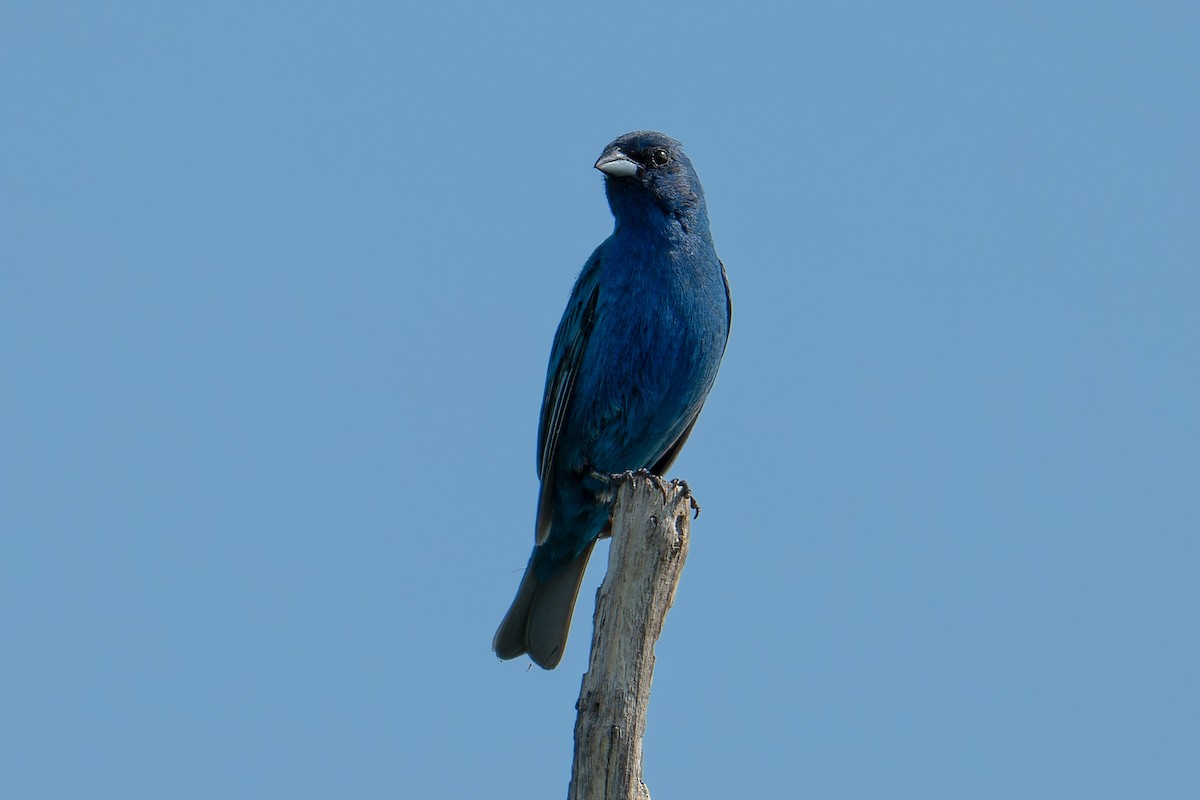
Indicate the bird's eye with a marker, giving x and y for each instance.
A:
(659, 157)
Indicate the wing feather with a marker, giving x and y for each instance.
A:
(570, 343)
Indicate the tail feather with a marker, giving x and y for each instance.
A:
(509, 641)
(540, 617)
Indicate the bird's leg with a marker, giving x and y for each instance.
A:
(602, 485)
(602, 477)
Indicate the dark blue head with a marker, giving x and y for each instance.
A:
(650, 180)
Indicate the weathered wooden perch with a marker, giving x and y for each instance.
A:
(645, 560)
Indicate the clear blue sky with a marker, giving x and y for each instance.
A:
(277, 288)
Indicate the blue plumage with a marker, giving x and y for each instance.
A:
(635, 355)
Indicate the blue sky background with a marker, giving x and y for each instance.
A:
(277, 288)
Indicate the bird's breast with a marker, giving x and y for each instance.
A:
(660, 329)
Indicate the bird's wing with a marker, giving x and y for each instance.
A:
(570, 342)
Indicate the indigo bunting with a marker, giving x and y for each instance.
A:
(635, 355)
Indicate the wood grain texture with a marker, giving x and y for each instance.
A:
(651, 522)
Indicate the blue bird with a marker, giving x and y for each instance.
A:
(635, 355)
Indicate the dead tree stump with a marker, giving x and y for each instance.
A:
(651, 520)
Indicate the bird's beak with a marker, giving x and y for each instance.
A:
(616, 164)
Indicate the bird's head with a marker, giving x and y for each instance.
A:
(646, 170)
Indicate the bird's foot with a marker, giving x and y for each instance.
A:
(608, 478)
(687, 492)
(611, 480)
(658, 481)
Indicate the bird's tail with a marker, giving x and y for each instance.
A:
(540, 617)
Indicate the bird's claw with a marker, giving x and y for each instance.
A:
(610, 478)
(658, 481)
(687, 490)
